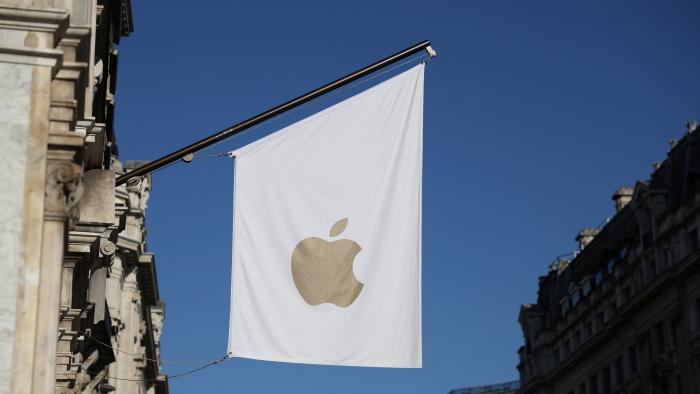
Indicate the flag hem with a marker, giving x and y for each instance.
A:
(294, 360)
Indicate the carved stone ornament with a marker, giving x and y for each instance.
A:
(63, 189)
(107, 249)
(139, 191)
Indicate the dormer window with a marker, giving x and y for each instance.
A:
(565, 305)
(598, 277)
(624, 251)
(611, 265)
(575, 297)
(586, 286)
(574, 293)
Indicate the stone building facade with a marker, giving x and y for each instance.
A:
(499, 388)
(79, 305)
(622, 315)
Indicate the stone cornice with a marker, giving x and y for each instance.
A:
(31, 56)
(50, 20)
(147, 277)
(44, 29)
(78, 31)
(81, 241)
(130, 248)
(66, 139)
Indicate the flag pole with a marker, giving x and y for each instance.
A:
(270, 113)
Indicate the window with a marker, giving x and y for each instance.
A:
(646, 342)
(638, 278)
(668, 256)
(696, 369)
(619, 371)
(610, 311)
(647, 240)
(598, 277)
(565, 305)
(606, 380)
(624, 250)
(577, 338)
(693, 241)
(650, 270)
(593, 384)
(588, 329)
(582, 388)
(611, 266)
(660, 338)
(599, 322)
(634, 361)
(586, 286)
(575, 297)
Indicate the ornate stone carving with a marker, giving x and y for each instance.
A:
(63, 189)
(107, 249)
(139, 191)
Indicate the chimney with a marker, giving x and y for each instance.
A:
(585, 236)
(621, 197)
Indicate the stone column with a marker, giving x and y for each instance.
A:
(63, 189)
(129, 337)
(117, 289)
(114, 289)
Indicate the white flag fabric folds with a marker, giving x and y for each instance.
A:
(327, 234)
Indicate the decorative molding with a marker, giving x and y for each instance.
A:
(32, 35)
(46, 20)
(107, 250)
(63, 189)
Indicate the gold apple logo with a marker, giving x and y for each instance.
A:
(322, 270)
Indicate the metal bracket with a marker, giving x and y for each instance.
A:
(187, 158)
(271, 113)
(430, 51)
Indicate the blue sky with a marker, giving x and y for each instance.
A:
(535, 112)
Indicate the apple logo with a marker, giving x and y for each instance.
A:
(322, 270)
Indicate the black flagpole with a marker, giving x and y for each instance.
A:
(235, 129)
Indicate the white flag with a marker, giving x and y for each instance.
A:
(327, 234)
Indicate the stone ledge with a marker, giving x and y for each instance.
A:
(65, 139)
(32, 56)
(56, 15)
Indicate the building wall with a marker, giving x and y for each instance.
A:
(623, 314)
(14, 123)
(499, 388)
(79, 281)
